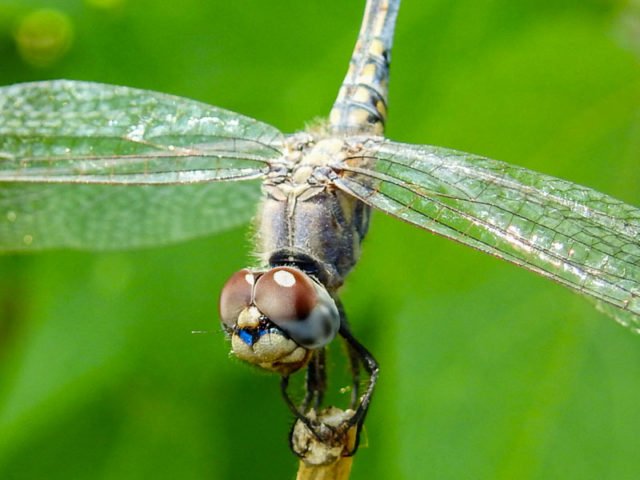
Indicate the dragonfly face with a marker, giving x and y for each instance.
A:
(275, 318)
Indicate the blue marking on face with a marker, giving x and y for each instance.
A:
(264, 331)
(251, 336)
(246, 337)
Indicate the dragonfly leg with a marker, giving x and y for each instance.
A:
(372, 368)
(312, 425)
(359, 357)
(316, 381)
(354, 365)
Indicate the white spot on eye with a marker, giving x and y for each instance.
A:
(284, 278)
(12, 216)
(249, 278)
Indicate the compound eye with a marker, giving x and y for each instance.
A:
(299, 307)
(285, 294)
(236, 296)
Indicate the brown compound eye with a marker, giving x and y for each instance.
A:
(285, 294)
(236, 296)
(298, 306)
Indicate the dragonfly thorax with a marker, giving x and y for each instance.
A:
(275, 318)
(306, 162)
(303, 214)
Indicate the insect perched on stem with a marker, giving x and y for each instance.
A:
(59, 159)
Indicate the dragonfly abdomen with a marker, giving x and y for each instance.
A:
(361, 105)
(362, 102)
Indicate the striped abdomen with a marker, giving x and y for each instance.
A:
(361, 106)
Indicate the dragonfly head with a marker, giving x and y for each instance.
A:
(276, 318)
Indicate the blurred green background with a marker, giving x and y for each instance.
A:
(488, 372)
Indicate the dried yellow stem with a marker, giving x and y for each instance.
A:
(328, 458)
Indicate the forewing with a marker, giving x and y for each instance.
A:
(583, 239)
(96, 166)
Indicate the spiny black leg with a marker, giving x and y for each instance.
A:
(284, 385)
(354, 365)
(354, 359)
(371, 366)
(316, 385)
(316, 381)
(324, 432)
(358, 354)
(319, 430)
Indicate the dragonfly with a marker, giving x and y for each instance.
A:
(94, 166)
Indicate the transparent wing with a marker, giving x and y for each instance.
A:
(96, 166)
(581, 238)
